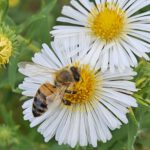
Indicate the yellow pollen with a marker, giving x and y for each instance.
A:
(85, 88)
(5, 49)
(108, 23)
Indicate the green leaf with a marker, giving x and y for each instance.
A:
(9, 21)
(140, 81)
(6, 116)
(3, 9)
(49, 7)
(34, 30)
(38, 17)
(132, 130)
(17, 91)
(141, 101)
(12, 72)
(117, 135)
(3, 75)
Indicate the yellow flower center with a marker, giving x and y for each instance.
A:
(108, 23)
(5, 49)
(85, 88)
(13, 3)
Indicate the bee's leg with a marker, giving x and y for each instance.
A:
(70, 92)
(66, 102)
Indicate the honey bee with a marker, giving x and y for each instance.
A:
(64, 79)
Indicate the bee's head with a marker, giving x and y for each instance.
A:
(68, 76)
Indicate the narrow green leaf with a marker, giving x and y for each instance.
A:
(12, 73)
(141, 101)
(17, 91)
(49, 7)
(132, 130)
(3, 75)
(37, 17)
(140, 81)
(3, 9)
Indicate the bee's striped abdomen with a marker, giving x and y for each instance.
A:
(40, 101)
(39, 107)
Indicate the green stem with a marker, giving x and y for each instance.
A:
(33, 47)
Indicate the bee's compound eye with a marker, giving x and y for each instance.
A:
(77, 78)
(76, 73)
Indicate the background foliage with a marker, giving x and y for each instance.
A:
(32, 20)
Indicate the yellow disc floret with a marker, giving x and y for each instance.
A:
(85, 88)
(108, 23)
(5, 49)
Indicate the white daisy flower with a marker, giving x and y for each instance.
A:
(114, 28)
(99, 103)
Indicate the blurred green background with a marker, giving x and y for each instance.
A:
(32, 20)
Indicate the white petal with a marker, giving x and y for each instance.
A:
(117, 113)
(27, 104)
(72, 13)
(51, 56)
(79, 7)
(91, 127)
(83, 133)
(51, 129)
(31, 69)
(119, 97)
(109, 119)
(62, 135)
(75, 132)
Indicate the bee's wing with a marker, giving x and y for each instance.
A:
(32, 69)
(58, 95)
(51, 98)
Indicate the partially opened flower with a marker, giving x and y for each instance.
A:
(7, 44)
(92, 104)
(7, 136)
(114, 28)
